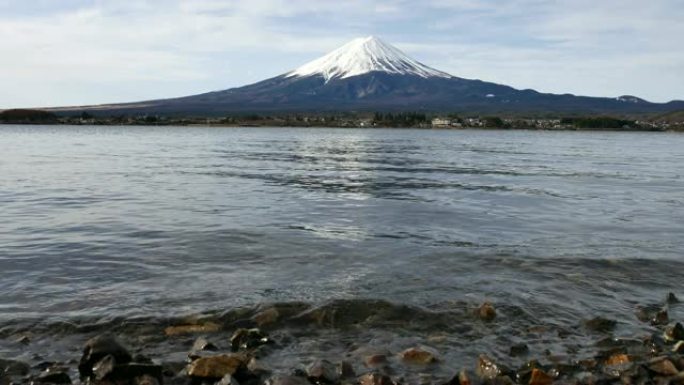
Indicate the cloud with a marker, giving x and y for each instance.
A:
(81, 52)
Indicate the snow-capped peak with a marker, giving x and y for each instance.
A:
(365, 55)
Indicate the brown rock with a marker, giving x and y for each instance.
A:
(461, 378)
(216, 366)
(486, 312)
(375, 360)
(600, 324)
(539, 377)
(375, 379)
(418, 356)
(617, 359)
(322, 371)
(208, 327)
(487, 369)
(266, 317)
(662, 366)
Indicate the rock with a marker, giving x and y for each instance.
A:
(418, 356)
(215, 367)
(486, 312)
(461, 378)
(600, 324)
(208, 327)
(662, 366)
(617, 359)
(617, 364)
(660, 318)
(287, 380)
(539, 377)
(345, 370)
(248, 339)
(146, 380)
(375, 360)
(14, 368)
(674, 333)
(256, 368)
(99, 347)
(24, 340)
(487, 369)
(266, 317)
(375, 379)
(53, 377)
(672, 298)
(228, 380)
(107, 369)
(322, 372)
(519, 350)
(679, 347)
(200, 345)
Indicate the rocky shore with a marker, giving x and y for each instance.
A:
(237, 353)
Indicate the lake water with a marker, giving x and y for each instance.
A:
(102, 224)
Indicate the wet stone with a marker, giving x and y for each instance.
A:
(519, 350)
(679, 347)
(660, 318)
(539, 377)
(201, 344)
(248, 339)
(345, 370)
(487, 369)
(322, 372)
(228, 380)
(266, 317)
(486, 312)
(672, 298)
(674, 333)
(375, 379)
(418, 356)
(662, 366)
(461, 378)
(53, 377)
(287, 380)
(207, 327)
(99, 347)
(14, 368)
(215, 366)
(256, 368)
(600, 324)
(375, 360)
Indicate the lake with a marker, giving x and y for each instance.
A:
(104, 224)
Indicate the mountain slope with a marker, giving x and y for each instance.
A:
(367, 75)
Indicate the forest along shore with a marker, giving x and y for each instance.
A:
(237, 349)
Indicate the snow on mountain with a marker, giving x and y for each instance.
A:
(362, 56)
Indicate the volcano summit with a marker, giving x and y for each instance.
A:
(368, 74)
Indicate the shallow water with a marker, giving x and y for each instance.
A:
(102, 224)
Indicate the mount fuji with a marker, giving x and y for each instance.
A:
(368, 74)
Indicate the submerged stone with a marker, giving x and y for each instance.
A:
(519, 350)
(322, 372)
(487, 369)
(287, 380)
(600, 324)
(674, 333)
(375, 379)
(418, 356)
(208, 327)
(53, 377)
(486, 312)
(672, 298)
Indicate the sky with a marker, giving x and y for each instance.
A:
(77, 52)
